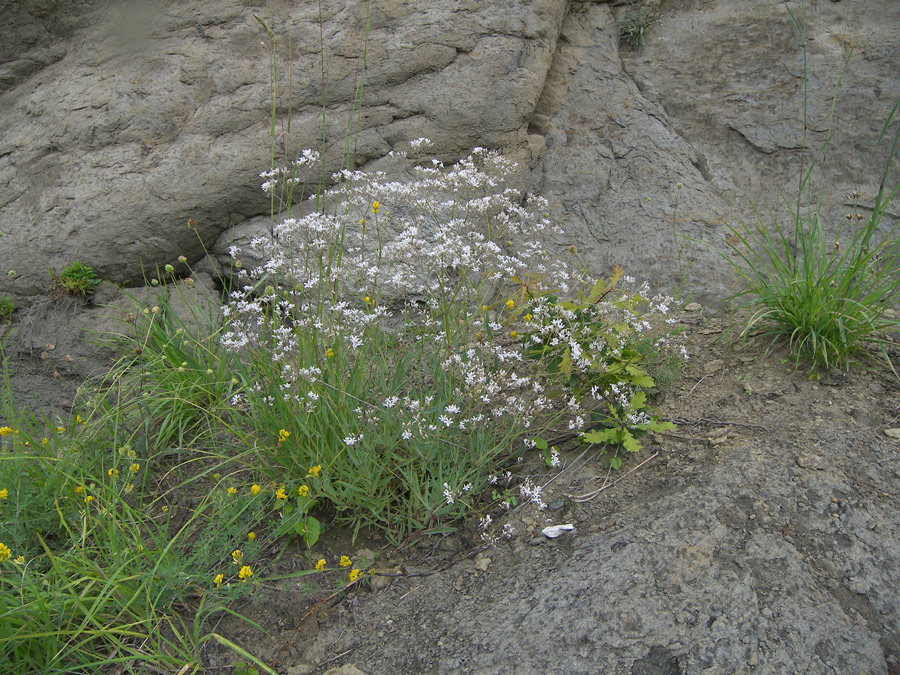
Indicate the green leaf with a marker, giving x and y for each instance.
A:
(565, 364)
(601, 436)
(642, 380)
(540, 443)
(630, 442)
(313, 531)
(638, 400)
(616, 462)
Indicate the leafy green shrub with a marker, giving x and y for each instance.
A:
(76, 279)
(596, 345)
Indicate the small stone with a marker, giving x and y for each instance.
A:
(301, 669)
(693, 307)
(892, 433)
(559, 503)
(482, 564)
(712, 366)
(811, 461)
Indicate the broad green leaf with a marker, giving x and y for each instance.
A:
(638, 400)
(601, 436)
(630, 442)
(313, 531)
(642, 381)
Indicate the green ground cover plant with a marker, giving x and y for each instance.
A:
(76, 279)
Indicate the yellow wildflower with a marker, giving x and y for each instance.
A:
(354, 574)
(484, 308)
(303, 490)
(45, 440)
(245, 573)
(134, 468)
(79, 490)
(375, 206)
(280, 493)
(329, 352)
(251, 536)
(231, 491)
(321, 564)
(20, 559)
(236, 556)
(345, 561)
(5, 431)
(254, 489)
(528, 317)
(362, 221)
(283, 435)
(5, 553)
(78, 419)
(61, 430)
(4, 494)
(367, 299)
(88, 499)
(218, 579)
(513, 334)
(510, 304)
(129, 487)
(314, 471)
(113, 473)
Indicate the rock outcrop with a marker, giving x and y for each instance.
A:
(120, 121)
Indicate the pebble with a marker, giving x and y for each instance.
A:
(892, 433)
(811, 461)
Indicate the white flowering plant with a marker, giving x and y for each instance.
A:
(385, 333)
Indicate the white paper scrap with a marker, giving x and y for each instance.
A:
(554, 531)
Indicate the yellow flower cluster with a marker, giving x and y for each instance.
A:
(245, 573)
(5, 431)
(254, 489)
(345, 561)
(303, 490)
(320, 565)
(314, 471)
(354, 574)
(5, 553)
(283, 435)
(4, 494)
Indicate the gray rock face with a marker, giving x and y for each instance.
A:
(159, 114)
(120, 121)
